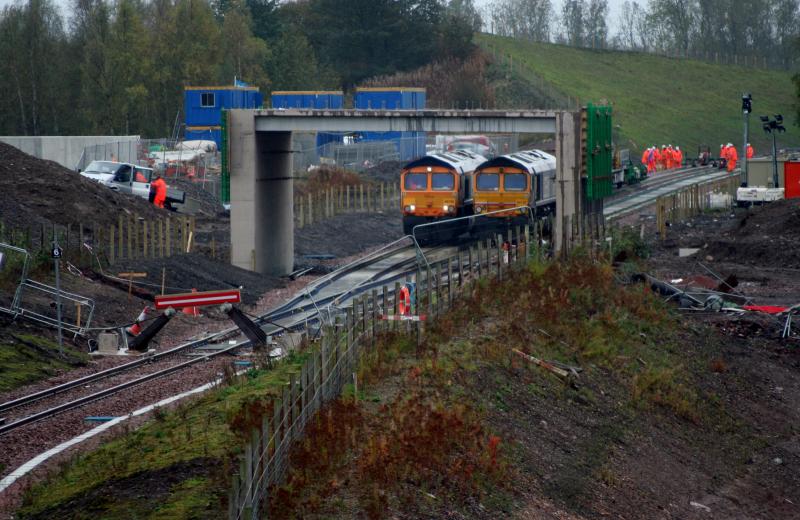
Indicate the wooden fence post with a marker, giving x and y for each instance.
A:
(110, 244)
(120, 250)
(133, 230)
(144, 239)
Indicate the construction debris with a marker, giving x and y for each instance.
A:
(563, 373)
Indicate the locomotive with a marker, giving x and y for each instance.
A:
(525, 178)
(437, 188)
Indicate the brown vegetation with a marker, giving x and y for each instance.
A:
(450, 83)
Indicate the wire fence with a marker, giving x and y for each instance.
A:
(336, 200)
(347, 333)
(361, 155)
(168, 157)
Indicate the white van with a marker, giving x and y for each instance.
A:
(122, 177)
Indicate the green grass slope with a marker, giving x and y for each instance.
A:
(657, 100)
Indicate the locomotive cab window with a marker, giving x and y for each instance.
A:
(488, 182)
(442, 182)
(514, 182)
(416, 182)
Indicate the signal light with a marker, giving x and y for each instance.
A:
(747, 103)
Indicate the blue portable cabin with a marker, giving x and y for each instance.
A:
(203, 108)
(410, 145)
(390, 98)
(315, 99)
(318, 99)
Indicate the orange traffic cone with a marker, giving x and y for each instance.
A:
(136, 328)
(191, 311)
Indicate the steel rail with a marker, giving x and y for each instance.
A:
(111, 390)
(271, 315)
(375, 280)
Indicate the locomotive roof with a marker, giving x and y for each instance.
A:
(531, 160)
(460, 160)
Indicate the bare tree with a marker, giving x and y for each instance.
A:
(527, 19)
(572, 22)
(596, 28)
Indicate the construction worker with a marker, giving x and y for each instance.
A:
(670, 157)
(749, 151)
(160, 189)
(651, 159)
(732, 157)
(723, 156)
(678, 156)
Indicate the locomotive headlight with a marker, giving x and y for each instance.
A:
(478, 209)
(446, 207)
(410, 207)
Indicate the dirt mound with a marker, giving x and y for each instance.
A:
(387, 171)
(765, 236)
(34, 192)
(192, 271)
(345, 235)
(205, 201)
(780, 218)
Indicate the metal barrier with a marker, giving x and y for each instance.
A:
(36, 298)
(36, 301)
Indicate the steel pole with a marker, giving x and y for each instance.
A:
(745, 179)
(58, 301)
(774, 161)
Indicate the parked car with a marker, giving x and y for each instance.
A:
(128, 178)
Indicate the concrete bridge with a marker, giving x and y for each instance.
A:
(260, 141)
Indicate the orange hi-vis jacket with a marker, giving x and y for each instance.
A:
(161, 192)
(732, 158)
(750, 152)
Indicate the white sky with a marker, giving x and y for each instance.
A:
(613, 8)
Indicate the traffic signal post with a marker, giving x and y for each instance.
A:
(747, 107)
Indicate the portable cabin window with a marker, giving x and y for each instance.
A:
(443, 182)
(514, 182)
(207, 100)
(488, 182)
(416, 182)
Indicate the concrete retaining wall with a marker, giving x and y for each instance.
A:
(66, 150)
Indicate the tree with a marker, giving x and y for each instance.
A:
(573, 22)
(596, 30)
(294, 66)
(243, 55)
(465, 10)
(528, 19)
(129, 67)
(676, 17)
(32, 41)
(364, 38)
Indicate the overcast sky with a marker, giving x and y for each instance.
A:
(613, 6)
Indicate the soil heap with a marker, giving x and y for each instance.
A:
(35, 191)
(766, 237)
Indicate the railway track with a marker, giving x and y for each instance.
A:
(381, 267)
(649, 190)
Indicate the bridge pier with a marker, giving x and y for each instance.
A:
(260, 141)
(262, 200)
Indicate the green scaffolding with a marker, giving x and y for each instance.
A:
(225, 177)
(599, 151)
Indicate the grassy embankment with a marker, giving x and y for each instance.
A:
(453, 425)
(657, 100)
(26, 358)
